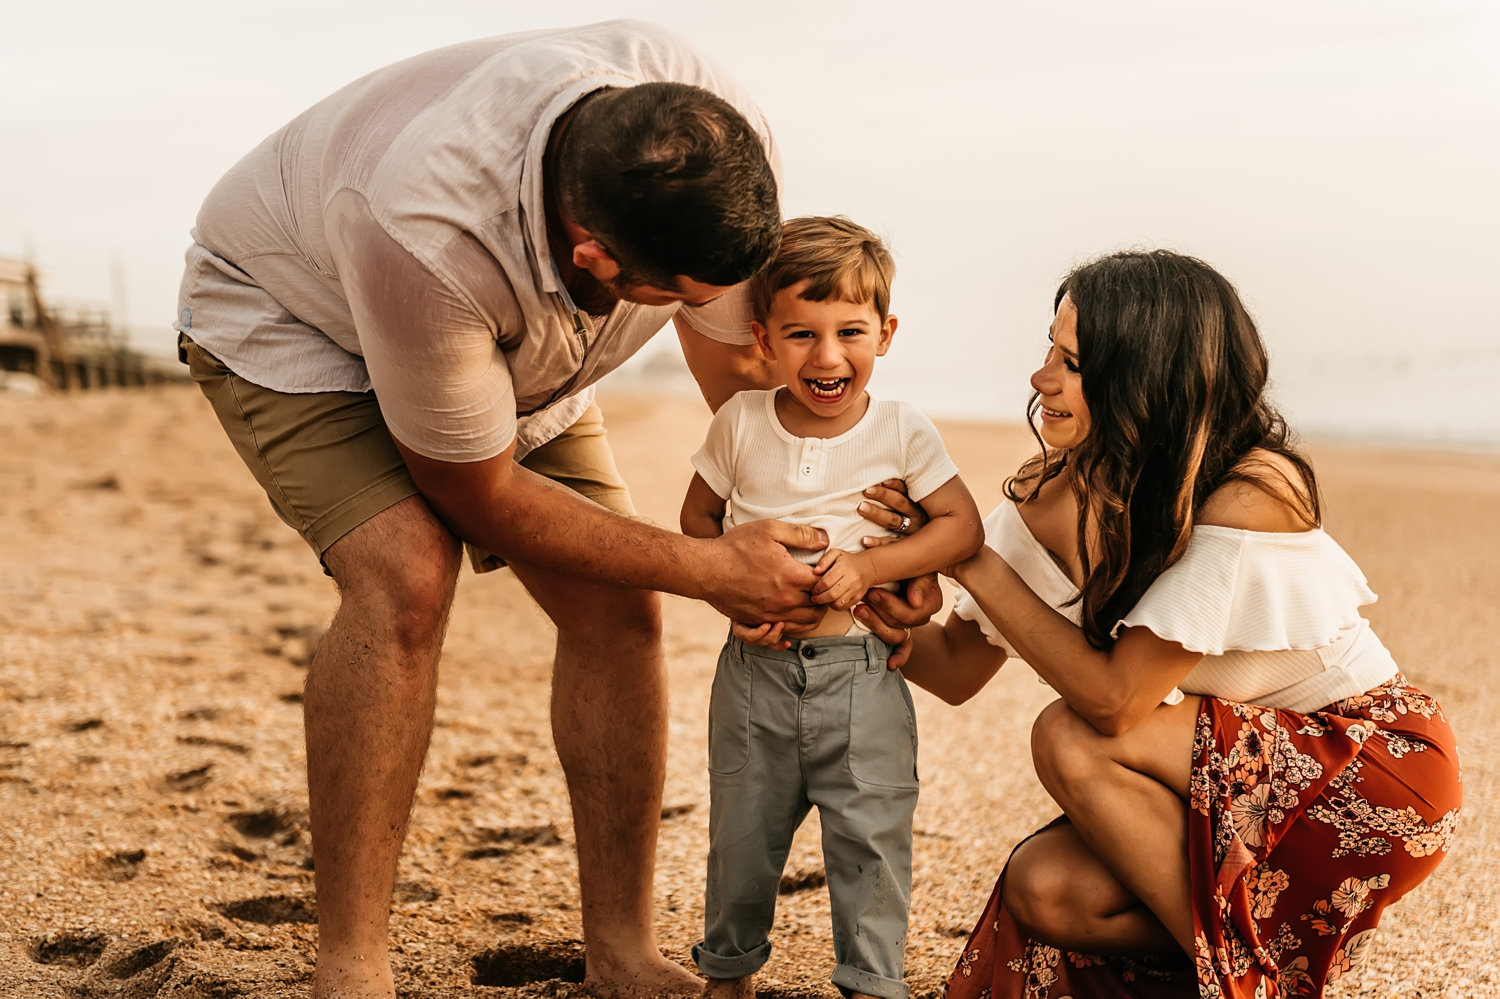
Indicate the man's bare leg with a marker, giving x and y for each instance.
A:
(368, 710)
(609, 722)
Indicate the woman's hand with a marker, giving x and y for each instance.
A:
(888, 506)
(891, 617)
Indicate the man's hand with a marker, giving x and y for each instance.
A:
(891, 616)
(755, 579)
(844, 578)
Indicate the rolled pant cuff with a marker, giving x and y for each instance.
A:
(853, 980)
(714, 966)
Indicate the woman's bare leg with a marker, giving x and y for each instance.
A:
(1058, 891)
(1126, 796)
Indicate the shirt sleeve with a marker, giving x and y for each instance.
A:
(964, 605)
(1253, 591)
(725, 319)
(928, 465)
(441, 380)
(715, 460)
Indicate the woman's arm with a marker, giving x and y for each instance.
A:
(952, 660)
(1114, 689)
(952, 532)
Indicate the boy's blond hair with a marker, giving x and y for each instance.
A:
(838, 259)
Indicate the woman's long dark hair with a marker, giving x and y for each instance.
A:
(1174, 374)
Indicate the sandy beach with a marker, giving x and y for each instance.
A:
(156, 621)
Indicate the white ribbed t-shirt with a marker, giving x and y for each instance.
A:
(765, 473)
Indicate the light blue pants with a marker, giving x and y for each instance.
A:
(823, 723)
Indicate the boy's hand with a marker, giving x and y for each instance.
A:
(845, 578)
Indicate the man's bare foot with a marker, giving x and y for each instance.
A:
(658, 977)
(353, 976)
(730, 988)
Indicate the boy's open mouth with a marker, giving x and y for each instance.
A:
(826, 388)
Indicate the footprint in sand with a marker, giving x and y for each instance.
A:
(69, 950)
(522, 964)
(269, 910)
(511, 838)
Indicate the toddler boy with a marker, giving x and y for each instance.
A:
(817, 718)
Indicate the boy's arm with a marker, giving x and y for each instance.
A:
(953, 533)
(702, 510)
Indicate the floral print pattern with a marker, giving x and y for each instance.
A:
(1302, 828)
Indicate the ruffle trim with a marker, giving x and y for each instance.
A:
(1254, 591)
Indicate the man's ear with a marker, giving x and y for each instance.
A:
(762, 340)
(590, 255)
(887, 334)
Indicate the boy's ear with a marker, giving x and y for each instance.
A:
(887, 334)
(762, 340)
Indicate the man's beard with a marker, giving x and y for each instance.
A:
(593, 296)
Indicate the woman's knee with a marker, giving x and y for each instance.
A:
(1038, 894)
(1065, 749)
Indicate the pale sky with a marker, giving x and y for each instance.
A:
(1338, 159)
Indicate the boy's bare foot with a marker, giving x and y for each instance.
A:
(354, 976)
(658, 977)
(730, 988)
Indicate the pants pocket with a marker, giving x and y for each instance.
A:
(882, 730)
(729, 715)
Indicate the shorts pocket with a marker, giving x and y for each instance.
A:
(882, 730)
(729, 715)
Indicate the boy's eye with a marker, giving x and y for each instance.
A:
(851, 331)
(799, 334)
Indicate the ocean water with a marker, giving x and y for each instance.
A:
(1421, 399)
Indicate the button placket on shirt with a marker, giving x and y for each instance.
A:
(807, 466)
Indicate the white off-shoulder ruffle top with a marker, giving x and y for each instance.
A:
(1275, 615)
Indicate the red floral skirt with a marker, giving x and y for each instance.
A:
(1302, 828)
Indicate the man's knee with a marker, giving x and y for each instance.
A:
(399, 569)
(627, 620)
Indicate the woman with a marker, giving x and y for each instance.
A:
(1246, 778)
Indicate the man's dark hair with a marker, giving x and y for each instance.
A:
(671, 180)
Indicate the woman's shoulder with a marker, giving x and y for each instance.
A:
(1266, 492)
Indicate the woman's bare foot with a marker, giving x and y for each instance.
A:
(730, 988)
(653, 978)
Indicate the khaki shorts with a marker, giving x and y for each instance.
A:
(327, 462)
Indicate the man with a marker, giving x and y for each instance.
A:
(397, 305)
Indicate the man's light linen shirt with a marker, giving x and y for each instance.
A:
(393, 237)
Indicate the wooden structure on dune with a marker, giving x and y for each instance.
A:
(66, 349)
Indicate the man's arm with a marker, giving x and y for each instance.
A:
(505, 508)
(722, 369)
